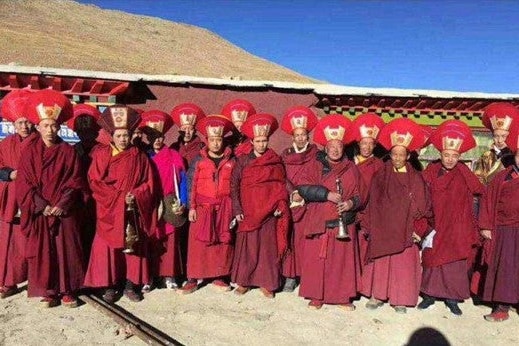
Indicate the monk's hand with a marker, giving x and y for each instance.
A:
(296, 197)
(344, 206)
(129, 198)
(180, 210)
(416, 238)
(334, 197)
(12, 175)
(486, 233)
(192, 215)
(239, 217)
(47, 211)
(277, 213)
(57, 211)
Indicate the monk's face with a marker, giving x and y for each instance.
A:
(215, 144)
(260, 144)
(366, 147)
(300, 138)
(499, 137)
(188, 132)
(48, 129)
(23, 127)
(121, 139)
(334, 150)
(399, 156)
(158, 143)
(449, 159)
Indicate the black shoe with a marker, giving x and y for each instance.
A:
(110, 295)
(290, 285)
(426, 302)
(453, 307)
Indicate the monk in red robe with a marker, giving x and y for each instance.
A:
(298, 122)
(397, 192)
(260, 205)
(13, 265)
(237, 112)
(364, 131)
(84, 123)
(49, 191)
(171, 180)
(448, 259)
(211, 243)
(499, 224)
(125, 208)
(330, 256)
(185, 116)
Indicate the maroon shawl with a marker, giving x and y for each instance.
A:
(111, 178)
(259, 188)
(10, 149)
(454, 220)
(399, 204)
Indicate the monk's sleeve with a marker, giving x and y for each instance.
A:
(73, 187)
(488, 205)
(146, 201)
(28, 192)
(313, 193)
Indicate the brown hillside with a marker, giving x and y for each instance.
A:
(66, 34)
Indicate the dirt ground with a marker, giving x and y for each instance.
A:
(212, 317)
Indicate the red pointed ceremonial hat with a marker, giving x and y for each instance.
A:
(259, 125)
(238, 110)
(403, 132)
(187, 114)
(85, 117)
(499, 116)
(214, 125)
(512, 140)
(13, 104)
(156, 121)
(48, 104)
(366, 125)
(119, 117)
(330, 127)
(453, 135)
(298, 117)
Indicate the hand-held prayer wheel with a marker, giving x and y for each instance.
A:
(131, 230)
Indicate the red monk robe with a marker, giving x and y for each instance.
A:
(13, 265)
(258, 189)
(298, 172)
(499, 213)
(111, 178)
(447, 263)
(51, 176)
(402, 199)
(210, 245)
(367, 169)
(166, 249)
(329, 265)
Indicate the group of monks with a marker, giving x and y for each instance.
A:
(121, 212)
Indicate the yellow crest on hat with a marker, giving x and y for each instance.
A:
(237, 115)
(299, 122)
(156, 125)
(119, 117)
(261, 130)
(334, 133)
(371, 132)
(187, 119)
(401, 139)
(48, 112)
(214, 131)
(449, 143)
(501, 123)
